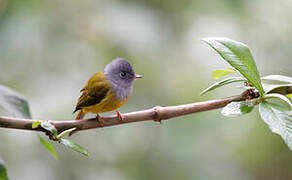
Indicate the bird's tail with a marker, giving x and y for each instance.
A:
(80, 115)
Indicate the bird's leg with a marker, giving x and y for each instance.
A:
(100, 120)
(119, 115)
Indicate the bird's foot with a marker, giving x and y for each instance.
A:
(100, 120)
(119, 115)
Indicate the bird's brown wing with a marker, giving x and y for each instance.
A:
(92, 94)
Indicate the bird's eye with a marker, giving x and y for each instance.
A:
(123, 74)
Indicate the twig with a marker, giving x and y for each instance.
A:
(156, 113)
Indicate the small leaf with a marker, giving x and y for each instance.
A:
(235, 109)
(219, 73)
(281, 97)
(223, 83)
(278, 119)
(64, 133)
(278, 79)
(3, 171)
(289, 96)
(49, 147)
(238, 56)
(74, 146)
(246, 109)
(36, 124)
(50, 127)
(14, 103)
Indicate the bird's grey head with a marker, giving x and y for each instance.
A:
(121, 76)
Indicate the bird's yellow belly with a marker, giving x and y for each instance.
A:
(110, 103)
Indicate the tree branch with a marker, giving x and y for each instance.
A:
(156, 113)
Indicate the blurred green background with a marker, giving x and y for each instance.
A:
(49, 49)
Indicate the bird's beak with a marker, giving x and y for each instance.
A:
(138, 76)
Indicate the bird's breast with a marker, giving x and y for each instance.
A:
(109, 103)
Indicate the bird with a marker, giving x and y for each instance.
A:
(107, 90)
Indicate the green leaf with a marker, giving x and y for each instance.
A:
(277, 83)
(289, 96)
(49, 147)
(235, 109)
(278, 119)
(13, 103)
(278, 79)
(74, 146)
(238, 56)
(50, 127)
(219, 73)
(269, 88)
(36, 124)
(245, 108)
(3, 172)
(280, 97)
(223, 83)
